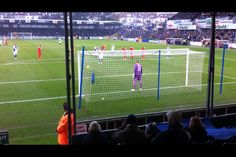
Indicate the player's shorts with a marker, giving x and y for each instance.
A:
(138, 77)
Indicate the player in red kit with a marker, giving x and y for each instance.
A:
(143, 48)
(103, 47)
(131, 52)
(39, 51)
(124, 53)
(5, 41)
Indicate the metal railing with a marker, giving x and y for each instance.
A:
(143, 119)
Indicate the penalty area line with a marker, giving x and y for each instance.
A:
(61, 97)
(32, 100)
(31, 81)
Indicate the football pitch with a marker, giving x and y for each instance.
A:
(32, 91)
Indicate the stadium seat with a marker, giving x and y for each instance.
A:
(227, 120)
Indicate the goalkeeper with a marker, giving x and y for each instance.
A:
(137, 75)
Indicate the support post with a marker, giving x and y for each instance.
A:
(210, 87)
(72, 70)
(81, 79)
(222, 69)
(67, 75)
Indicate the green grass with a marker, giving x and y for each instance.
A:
(26, 84)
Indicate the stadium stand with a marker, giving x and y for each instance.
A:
(221, 128)
(95, 136)
(185, 15)
(91, 27)
(215, 135)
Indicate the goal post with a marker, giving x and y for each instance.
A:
(179, 69)
(21, 35)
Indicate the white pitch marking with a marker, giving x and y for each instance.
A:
(223, 76)
(170, 87)
(32, 100)
(60, 97)
(32, 61)
(34, 136)
(30, 81)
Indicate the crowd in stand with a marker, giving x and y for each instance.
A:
(58, 31)
(59, 15)
(116, 16)
(186, 15)
(199, 15)
(176, 134)
(162, 34)
(129, 133)
(125, 31)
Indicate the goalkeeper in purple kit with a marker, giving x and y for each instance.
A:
(137, 75)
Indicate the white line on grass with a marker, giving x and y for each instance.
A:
(31, 126)
(32, 100)
(60, 97)
(30, 137)
(62, 79)
(39, 62)
(35, 61)
(143, 74)
(226, 59)
(170, 87)
(32, 61)
(31, 81)
(233, 78)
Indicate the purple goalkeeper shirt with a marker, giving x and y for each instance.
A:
(137, 71)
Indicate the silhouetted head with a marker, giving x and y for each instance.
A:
(151, 130)
(174, 118)
(94, 127)
(131, 119)
(195, 122)
(65, 106)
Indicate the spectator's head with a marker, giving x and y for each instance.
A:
(94, 127)
(131, 119)
(151, 130)
(174, 118)
(195, 122)
(65, 106)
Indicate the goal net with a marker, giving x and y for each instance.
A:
(180, 71)
(21, 35)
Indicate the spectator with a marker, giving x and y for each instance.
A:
(197, 131)
(175, 134)
(129, 133)
(151, 131)
(95, 136)
(62, 128)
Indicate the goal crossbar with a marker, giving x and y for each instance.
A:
(141, 52)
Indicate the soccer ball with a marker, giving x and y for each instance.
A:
(87, 66)
(102, 98)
